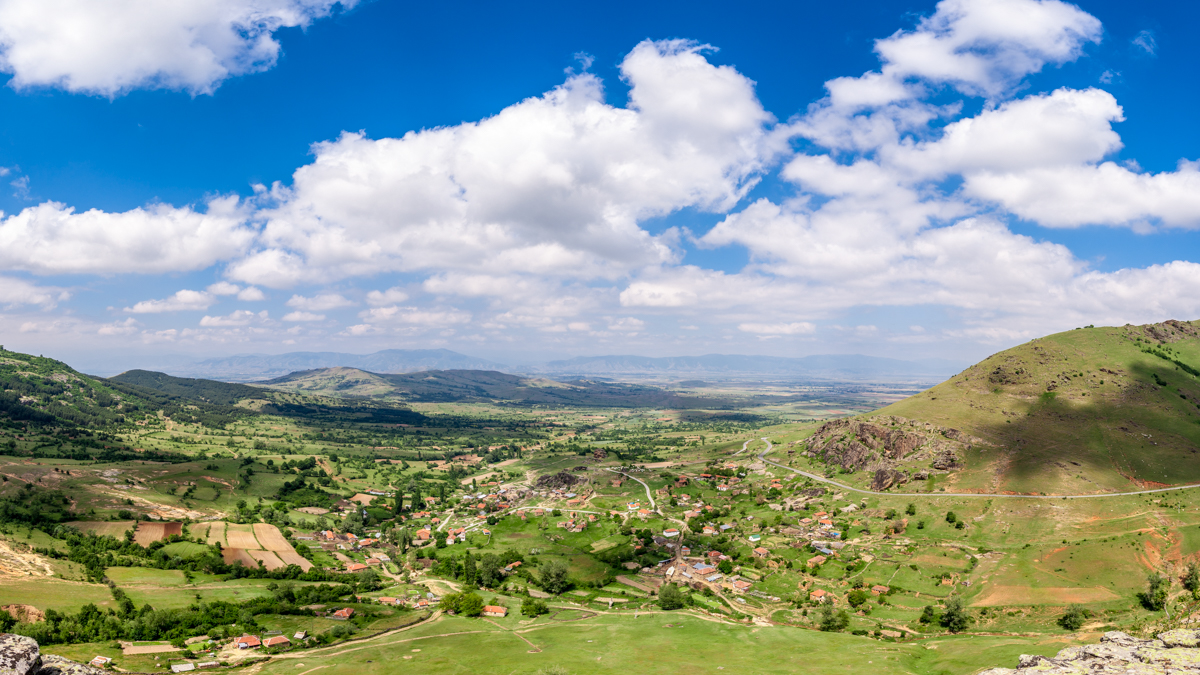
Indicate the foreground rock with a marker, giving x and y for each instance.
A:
(20, 655)
(1118, 653)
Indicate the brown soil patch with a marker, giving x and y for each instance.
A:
(115, 529)
(270, 538)
(1025, 595)
(232, 555)
(240, 536)
(268, 558)
(148, 533)
(293, 558)
(24, 613)
(363, 498)
(150, 649)
(14, 563)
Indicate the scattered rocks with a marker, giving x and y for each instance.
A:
(1172, 653)
(19, 655)
(884, 442)
(561, 479)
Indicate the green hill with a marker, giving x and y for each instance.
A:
(203, 391)
(442, 386)
(40, 391)
(1088, 410)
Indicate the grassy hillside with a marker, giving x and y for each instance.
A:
(41, 391)
(445, 386)
(205, 391)
(1088, 410)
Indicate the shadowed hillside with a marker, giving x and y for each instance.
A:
(442, 386)
(1088, 410)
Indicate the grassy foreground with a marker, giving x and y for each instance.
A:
(656, 643)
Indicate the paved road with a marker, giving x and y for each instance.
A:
(653, 506)
(843, 486)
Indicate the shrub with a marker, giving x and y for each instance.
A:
(1074, 618)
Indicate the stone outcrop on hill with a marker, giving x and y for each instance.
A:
(20, 655)
(1173, 652)
(881, 444)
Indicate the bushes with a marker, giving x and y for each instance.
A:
(833, 621)
(1154, 598)
(532, 607)
(670, 597)
(1074, 618)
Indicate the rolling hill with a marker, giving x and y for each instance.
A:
(843, 367)
(248, 367)
(1088, 410)
(442, 386)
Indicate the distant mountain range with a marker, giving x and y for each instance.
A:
(252, 367)
(841, 367)
(825, 367)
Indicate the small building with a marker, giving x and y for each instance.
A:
(248, 642)
(671, 532)
(388, 601)
(356, 567)
(495, 610)
(821, 595)
(815, 560)
(208, 664)
(761, 552)
(300, 635)
(100, 661)
(342, 614)
(182, 667)
(277, 641)
(879, 590)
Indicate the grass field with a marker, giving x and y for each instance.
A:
(656, 643)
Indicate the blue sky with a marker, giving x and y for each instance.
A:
(680, 179)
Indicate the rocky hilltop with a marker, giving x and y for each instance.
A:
(1090, 410)
(895, 449)
(1172, 652)
(19, 655)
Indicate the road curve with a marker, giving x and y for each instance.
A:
(653, 506)
(988, 495)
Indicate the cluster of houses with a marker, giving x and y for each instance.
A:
(577, 522)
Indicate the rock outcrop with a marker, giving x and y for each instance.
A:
(20, 655)
(881, 444)
(1176, 651)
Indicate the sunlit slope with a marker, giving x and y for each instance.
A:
(1088, 410)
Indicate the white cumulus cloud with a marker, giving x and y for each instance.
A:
(554, 185)
(113, 46)
(52, 238)
(183, 301)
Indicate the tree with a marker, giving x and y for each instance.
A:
(857, 597)
(955, 617)
(911, 509)
(1155, 596)
(669, 597)
(834, 621)
(1074, 617)
(553, 575)
(532, 607)
(1191, 579)
(469, 576)
(930, 615)
(450, 602)
(725, 567)
(490, 570)
(951, 518)
(470, 604)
